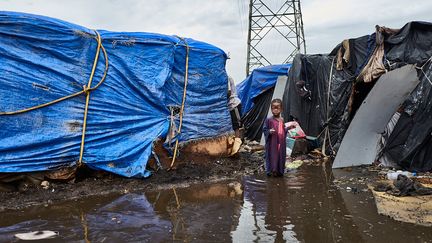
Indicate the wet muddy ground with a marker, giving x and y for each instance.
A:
(90, 183)
(309, 204)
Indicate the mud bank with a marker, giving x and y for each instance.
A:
(91, 183)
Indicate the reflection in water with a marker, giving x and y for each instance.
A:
(263, 216)
(128, 217)
(302, 206)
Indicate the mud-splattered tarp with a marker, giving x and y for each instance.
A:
(43, 59)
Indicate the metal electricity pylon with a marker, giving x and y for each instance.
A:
(267, 23)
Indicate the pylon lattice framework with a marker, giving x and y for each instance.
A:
(286, 20)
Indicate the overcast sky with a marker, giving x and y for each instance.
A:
(224, 22)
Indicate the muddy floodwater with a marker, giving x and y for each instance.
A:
(303, 206)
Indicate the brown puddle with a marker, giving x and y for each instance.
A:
(303, 206)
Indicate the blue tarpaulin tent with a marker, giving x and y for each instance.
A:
(255, 93)
(43, 59)
(259, 81)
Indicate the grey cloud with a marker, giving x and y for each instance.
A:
(224, 22)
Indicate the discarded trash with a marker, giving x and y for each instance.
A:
(37, 235)
(236, 146)
(407, 187)
(424, 179)
(251, 146)
(247, 148)
(391, 175)
(382, 186)
(293, 165)
(414, 209)
(45, 184)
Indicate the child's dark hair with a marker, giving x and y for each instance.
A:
(277, 100)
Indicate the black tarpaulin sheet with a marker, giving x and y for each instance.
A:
(305, 96)
(253, 120)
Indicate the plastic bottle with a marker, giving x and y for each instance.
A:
(391, 175)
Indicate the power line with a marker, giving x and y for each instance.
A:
(267, 20)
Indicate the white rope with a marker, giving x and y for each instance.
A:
(421, 69)
(327, 132)
(428, 60)
(426, 76)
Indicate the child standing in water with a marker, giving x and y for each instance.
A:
(275, 135)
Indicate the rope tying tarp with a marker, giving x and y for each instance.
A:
(183, 103)
(86, 90)
(326, 129)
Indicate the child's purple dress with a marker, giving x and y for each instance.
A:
(275, 146)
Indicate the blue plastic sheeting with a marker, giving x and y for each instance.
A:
(43, 59)
(259, 81)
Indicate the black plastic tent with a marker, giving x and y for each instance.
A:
(255, 93)
(340, 81)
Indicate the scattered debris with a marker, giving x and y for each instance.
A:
(293, 165)
(414, 209)
(251, 146)
(37, 235)
(45, 184)
(392, 175)
(195, 171)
